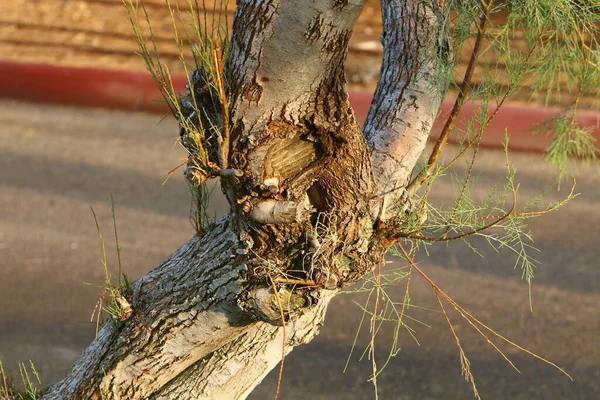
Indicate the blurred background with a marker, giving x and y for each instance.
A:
(58, 160)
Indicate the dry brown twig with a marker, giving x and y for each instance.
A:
(460, 99)
(217, 64)
(373, 329)
(280, 376)
(474, 322)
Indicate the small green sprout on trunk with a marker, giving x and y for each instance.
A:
(115, 299)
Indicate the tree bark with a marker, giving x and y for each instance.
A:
(187, 338)
(206, 323)
(414, 78)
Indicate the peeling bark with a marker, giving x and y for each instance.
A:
(206, 323)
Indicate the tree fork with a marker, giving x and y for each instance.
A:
(205, 323)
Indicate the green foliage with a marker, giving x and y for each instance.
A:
(568, 141)
(564, 34)
(544, 46)
(502, 229)
(203, 47)
(561, 58)
(192, 34)
(30, 389)
(200, 218)
(114, 297)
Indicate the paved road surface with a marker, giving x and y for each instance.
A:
(56, 162)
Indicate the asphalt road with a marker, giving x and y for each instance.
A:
(57, 162)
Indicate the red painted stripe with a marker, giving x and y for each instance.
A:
(516, 120)
(136, 91)
(89, 87)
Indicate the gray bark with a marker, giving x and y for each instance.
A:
(408, 95)
(206, 323)
(187, 337)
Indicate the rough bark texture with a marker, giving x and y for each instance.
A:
(206, 323)
(187, 337)
(409, 93)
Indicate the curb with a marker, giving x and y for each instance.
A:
(136, 91)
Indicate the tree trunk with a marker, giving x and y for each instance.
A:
(187, 338)
(215, 317)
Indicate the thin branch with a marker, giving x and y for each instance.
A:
(443, 238)
(280, 376)
(464, 186)
(399, 322)
(529, 214)
(117, 247)
(173, 170)
(477, 138)
(489, 120)
(374, 330)
(462, 93)
(217, 58)
(472, 320)
(464, 361)
(358, 329)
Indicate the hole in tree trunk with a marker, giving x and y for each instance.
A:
(317, 197)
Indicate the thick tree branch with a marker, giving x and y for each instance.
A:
(290, 111)
(282, 51)
(409, 93)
